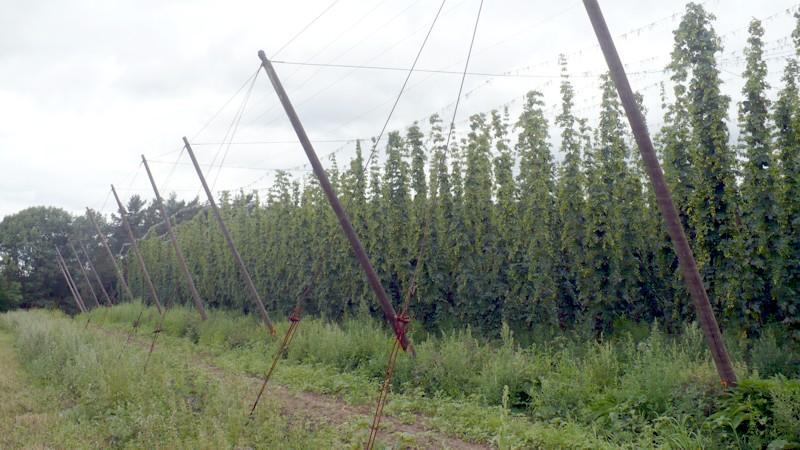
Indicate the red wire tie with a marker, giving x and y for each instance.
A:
(295, 317)
(401, 325)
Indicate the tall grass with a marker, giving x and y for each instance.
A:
(173, 405)
(661, 389)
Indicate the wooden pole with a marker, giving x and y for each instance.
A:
(389, 314)
(96, 275)
(198, 302)
(127, 225)
(85, 275)
(705, 314)
(111, 256)
(248, 280)
(81, 308)
(70, 280)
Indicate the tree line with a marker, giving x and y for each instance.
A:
(498, 231)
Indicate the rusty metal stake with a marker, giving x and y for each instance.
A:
(294, 318)
(96, 275)
(198, 302)
(136, 324)
(686, 259)
(287, 339)
(111, 256)
(248, 281)
(336, 205)
(123, 213)
(156, 332)
(85, 275)
(384, 394)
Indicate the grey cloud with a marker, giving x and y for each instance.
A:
(86, 86)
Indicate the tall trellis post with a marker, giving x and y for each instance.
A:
(398, 326)
(111, 256)
(106, 297)
(65, 272)
(691, 275)
(85, 275)
(123, 213)
(198, 302)
(248, 280)
(70, 278)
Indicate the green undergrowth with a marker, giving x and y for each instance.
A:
(656, 390)
(106, 401)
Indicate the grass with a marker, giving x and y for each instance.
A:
(652, 391)
(26, 411)
(102, 399)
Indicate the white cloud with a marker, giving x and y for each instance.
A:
(87, 86)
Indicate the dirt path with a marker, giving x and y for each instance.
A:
(326, 409)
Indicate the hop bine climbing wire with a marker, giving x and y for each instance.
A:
(403, 87)
(420, 261)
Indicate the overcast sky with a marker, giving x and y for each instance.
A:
(87, 86)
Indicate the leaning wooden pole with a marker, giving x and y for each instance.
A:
(75, 295)
(70, 278)
(691, 275)
(111, 256)
(85, 275)
(123, 213)
(248, 280)
(398, 326)
(103, 291)
(198, 302)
